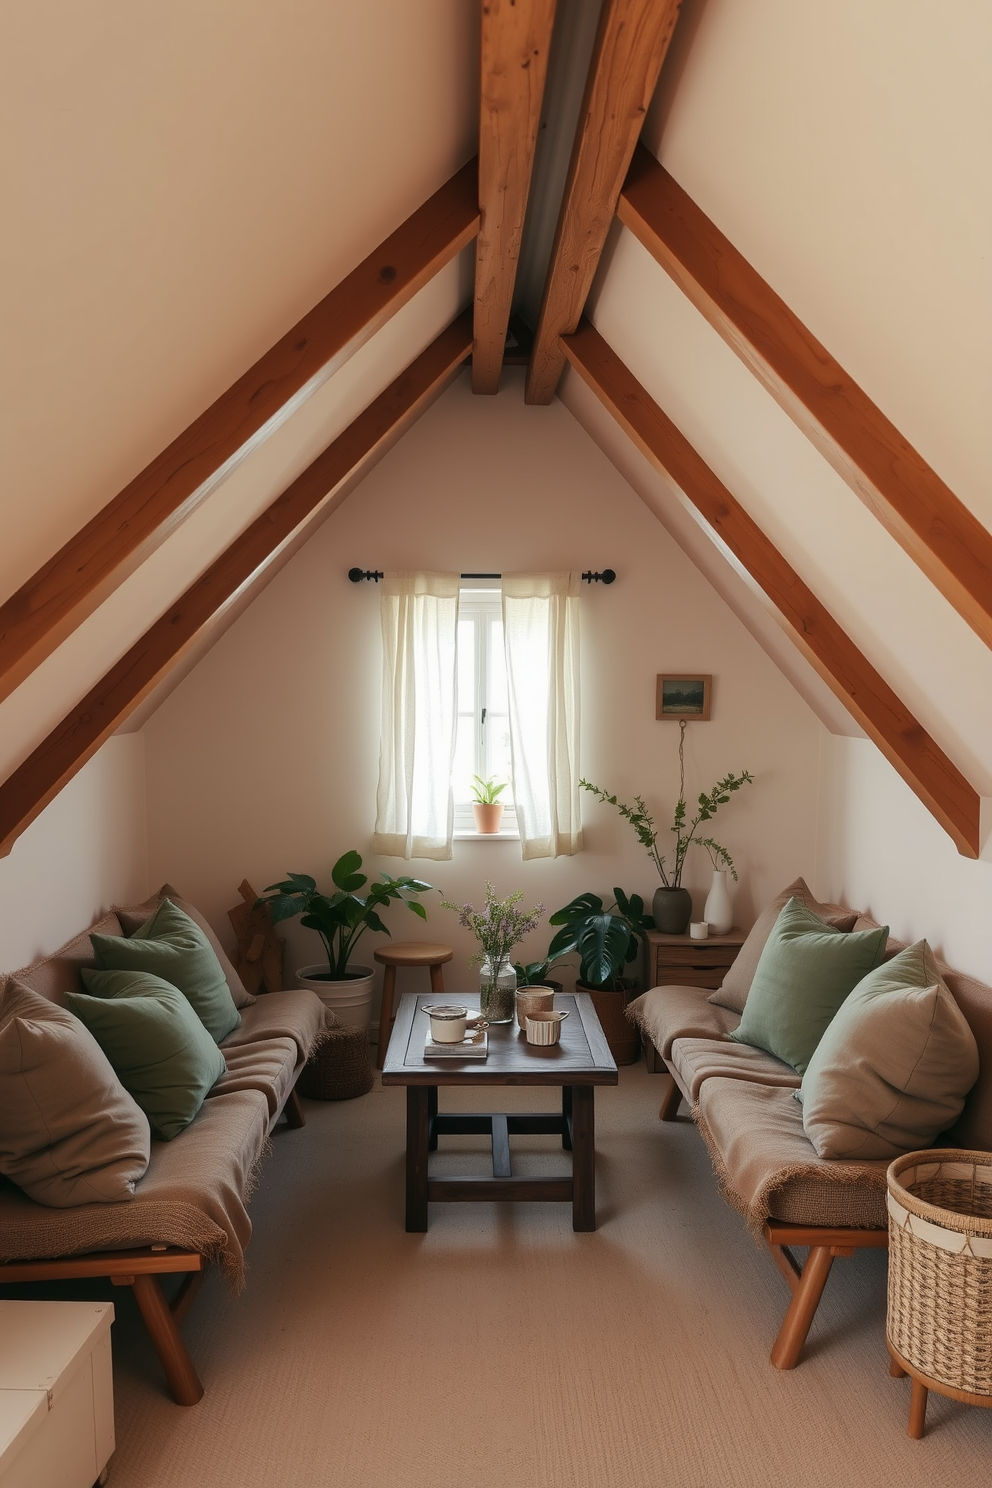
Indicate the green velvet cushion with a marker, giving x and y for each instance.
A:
(893, 1069)
(159, 1048)
(805, 971)
(172, 946)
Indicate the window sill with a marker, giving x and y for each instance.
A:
(472, 836)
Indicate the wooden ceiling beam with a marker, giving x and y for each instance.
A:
(67, 748)
(516, 40)
(923, 514)
(880, 712)
(35, 619)
(630, 47)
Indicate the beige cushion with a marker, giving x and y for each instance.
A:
(894, 1067)
(693, 1060)
(55, 975)
(769, 1169)
(737, 983)
(134, 916)
(69, 1132)
(667, 1013)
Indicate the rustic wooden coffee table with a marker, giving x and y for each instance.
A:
(578, 1064)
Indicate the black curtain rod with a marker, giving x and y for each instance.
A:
(356, 575)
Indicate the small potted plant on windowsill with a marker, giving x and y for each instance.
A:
(486, 806)
(340, 919)
(607, 941)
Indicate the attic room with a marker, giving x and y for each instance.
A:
(693, 293)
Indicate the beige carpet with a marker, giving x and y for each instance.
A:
(500, 1350)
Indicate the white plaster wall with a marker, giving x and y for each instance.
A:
(265, 758)
(86, 851)
(844, 149)
(881, 851)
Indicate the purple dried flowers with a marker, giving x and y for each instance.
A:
(499, 926)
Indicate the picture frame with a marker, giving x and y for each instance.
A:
(683, 695)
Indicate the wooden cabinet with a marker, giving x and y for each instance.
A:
(686, 962)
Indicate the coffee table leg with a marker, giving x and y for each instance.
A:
(583, 1158)
(417, 1125)
(566, 1117)
(431, 1113)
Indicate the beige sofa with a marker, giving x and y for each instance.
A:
(190, 1208)
(742, 1100)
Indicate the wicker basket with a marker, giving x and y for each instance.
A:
(340, 1068)
(940, 1266)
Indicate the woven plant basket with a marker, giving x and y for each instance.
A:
(340, 1068)
(940, 1266)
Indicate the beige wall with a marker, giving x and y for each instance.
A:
(84, 853)
(843, 149)
(265, 758)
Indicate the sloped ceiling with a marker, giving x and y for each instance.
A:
(187, 182)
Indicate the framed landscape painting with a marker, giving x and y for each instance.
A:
(683, 695)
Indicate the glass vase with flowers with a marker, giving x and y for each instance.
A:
(498, 926)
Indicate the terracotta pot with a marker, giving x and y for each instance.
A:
(621, 1035)
(487, 817)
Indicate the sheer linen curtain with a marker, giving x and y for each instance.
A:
(541, 639)
(414, 811)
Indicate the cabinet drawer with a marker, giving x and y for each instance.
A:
(690, 976)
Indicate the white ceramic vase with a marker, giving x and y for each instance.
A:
(719, 912)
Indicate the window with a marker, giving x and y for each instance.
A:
(482, 741)
(470, 682)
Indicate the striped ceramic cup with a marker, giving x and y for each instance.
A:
(544, 1028)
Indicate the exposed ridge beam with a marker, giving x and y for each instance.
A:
(880, 712)
(67, 748)
(631, 44)
(516, 40)
(131, 526)
(923, 514)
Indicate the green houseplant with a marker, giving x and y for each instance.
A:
(672, 904)
(606, 941)
(487, 808)
(340, 919)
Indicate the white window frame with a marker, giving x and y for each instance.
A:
(480, 601)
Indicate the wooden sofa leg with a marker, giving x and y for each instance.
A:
(293, 1111)
(670, 1105)
(184, 1382)
(802, 1308)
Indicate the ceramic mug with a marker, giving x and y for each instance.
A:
(449, 1024)
(533, 1000)
(544, 1028)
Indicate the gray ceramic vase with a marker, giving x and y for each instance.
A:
(672, 910)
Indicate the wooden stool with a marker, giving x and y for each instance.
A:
(413, 953)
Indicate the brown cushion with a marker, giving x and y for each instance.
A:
(667, 1013)
(737, 983)
(693, 1060)
(55, 975)
(769, 1169)
(69, 1132)
(893, 1069)
(134, 916)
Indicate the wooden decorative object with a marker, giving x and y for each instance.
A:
(516, 40)
(101, 555)
(924, 766)
(631, 45)
(76, 739)
(923, 514)
(260, 955)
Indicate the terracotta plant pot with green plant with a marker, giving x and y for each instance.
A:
(340, 919)
(486, 807)
(607, 942)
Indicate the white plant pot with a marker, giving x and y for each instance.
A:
(719, 912)
(350, 1000)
